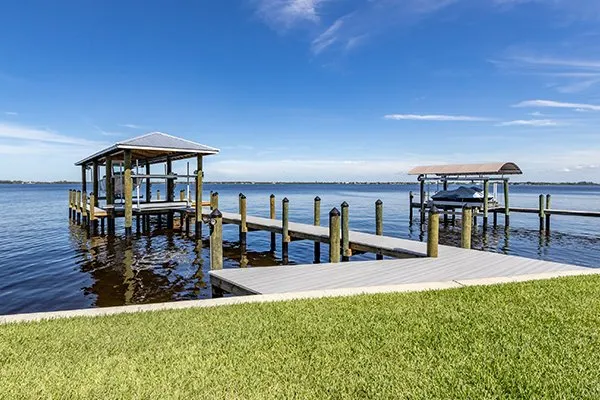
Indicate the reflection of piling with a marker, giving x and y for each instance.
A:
(465, 237)
(78, 206)
(346, 251)
(272, 216)
(317, 222)
(379, 222)
(433, 231)
(334, 236)
(285, 236)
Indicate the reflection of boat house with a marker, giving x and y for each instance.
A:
(123, 163)
(464, 196)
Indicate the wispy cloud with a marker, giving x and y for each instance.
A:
(327, 38)
(530, 122)
(11, 113)
(282, 15)
(131, 126)
(434, 117)
(25, 133)
(558, 104)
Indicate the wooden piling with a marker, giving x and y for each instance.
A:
(486, 194)
(445, 187)
(84, 209)
(346, 251)
(506, 204)
(158, 194)
(216, 239)
(548, 207)
(138, 225)
(182, 195)
(467, 225)
(95, 183)
(71, 204)
(199, 182)
(433, 232)
(83, 180)
(92, 218)
(148, 185)
(541, 212)
(285, 237)
(317, 222)
(272, 216)
(78, 206)
(214, 201)
(243, 225)
(411, 198)
(379, 222)
(170, 192)
(128, 192)
(334, 236)
(495, 218)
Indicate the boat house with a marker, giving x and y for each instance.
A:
(483, 174)
(127, 165)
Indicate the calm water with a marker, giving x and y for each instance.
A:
(46, 263)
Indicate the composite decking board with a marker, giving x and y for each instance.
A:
(388, 272)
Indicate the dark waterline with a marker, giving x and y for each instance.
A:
(47, 264)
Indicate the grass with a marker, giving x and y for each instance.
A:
(528, 340)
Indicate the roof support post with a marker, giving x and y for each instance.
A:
(422, 200)
(128, 189)
(199, 178)
(170, 192)
(110, 194)
(445, 187)
(83, 179)
(148, 185)
(95, 181)
(506, 205)
(486, 195)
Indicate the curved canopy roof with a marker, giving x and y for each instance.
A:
(498, 168)
(152, 147)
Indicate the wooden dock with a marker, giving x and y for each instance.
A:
(413, 265)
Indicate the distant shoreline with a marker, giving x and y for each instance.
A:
(528, 183)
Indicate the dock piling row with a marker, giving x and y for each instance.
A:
(346, 251)
(317, 222)
(334, 236)
(285, 236)
(379, 222)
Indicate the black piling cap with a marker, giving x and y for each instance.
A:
(285, 200)
(216, 213)
(434, 210)
(334, 212)
(317, 198)
(272, 196)
(215, 194)
(242, 196)
(378, 202)
(344, 205)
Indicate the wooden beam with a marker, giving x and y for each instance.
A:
(128, 189)
(199, 179)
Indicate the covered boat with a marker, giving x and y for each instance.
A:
(472, 196)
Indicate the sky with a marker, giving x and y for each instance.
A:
(289, 90)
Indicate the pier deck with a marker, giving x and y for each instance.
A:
(455, 269)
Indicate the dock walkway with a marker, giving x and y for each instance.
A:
(413, 267)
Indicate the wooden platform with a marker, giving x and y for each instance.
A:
(454, 267)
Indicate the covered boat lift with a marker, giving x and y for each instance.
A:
(144, 151)
(484, 173)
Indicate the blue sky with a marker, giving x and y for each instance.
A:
(305, 89)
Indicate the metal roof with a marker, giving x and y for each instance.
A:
(153, 147)
(498, 168)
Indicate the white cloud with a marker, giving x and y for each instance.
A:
(558, 104)
(131, 126)
(434, 117)
(284, 14)
(24, 133)
(327, 38)
(530, 122)
(11, 113)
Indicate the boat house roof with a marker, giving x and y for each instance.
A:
(154, 147)
(498, 168)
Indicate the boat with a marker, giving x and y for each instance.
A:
(462, 196)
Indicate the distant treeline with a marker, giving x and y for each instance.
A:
(528, 183)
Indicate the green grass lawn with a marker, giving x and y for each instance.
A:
(528, 340)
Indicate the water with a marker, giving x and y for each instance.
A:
(47, 263)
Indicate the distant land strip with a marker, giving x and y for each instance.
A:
(526, 183)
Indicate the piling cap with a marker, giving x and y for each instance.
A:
(242, 196)
(434, 210)
(317, 198)
(272, 196)
(344, 205)
(285, 200)
(215, 194)
(378, 202)
(334, 212)
(216, 213)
